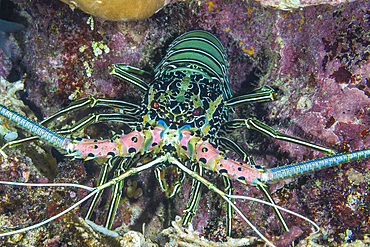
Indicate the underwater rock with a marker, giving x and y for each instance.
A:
(7, 27)
(296, 4)
(8, 94)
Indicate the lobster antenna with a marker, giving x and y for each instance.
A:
(93, 191)
(290, 170)
(277, 207)
(35, 128)
(225, 197)
(48, 185)
(221, 193)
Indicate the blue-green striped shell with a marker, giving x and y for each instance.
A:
(190, 85)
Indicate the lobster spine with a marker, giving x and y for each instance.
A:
(36, 129)
(286, 171)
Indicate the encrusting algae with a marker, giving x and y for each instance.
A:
(118, 10)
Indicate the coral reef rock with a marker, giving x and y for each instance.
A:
(295, 4)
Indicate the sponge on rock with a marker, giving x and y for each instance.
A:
(118, 10)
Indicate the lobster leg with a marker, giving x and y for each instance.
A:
(268, 131)
(122, 71)
(195, 194)
(228, 144)
(102, 179)
(93, 102)
(265, 191)
(132, 69)
(97, 118)
(119, 165)
(253, 123)
(170, 188)
(90, 102)
(112, 163)
(229, 209)
(262, 94)
(116, 192)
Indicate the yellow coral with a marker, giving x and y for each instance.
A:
(118, 10)
(250, 51)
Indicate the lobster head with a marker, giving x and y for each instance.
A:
(185, 98)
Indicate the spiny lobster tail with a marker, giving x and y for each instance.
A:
(36, 129)
(190, 85)
(202, 49)
(287, 171)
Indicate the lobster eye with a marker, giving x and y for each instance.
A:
(198, 111)
(154, 104)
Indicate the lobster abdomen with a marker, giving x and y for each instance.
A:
(190, 85)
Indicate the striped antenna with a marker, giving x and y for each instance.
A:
(286, 171)
(36, 129)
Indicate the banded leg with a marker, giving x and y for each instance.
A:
(93, 102)
(122, 71)
(252, 123)
(229, 209)
(170, 179)
(262, 94)
(195, 194)
(90, 102)
(116, 195)
(98, 118)
(120, 165)
(102, 179)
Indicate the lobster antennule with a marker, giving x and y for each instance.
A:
(291, 170)
(91, 190)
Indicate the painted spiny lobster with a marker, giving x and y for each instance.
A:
(181, 126)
